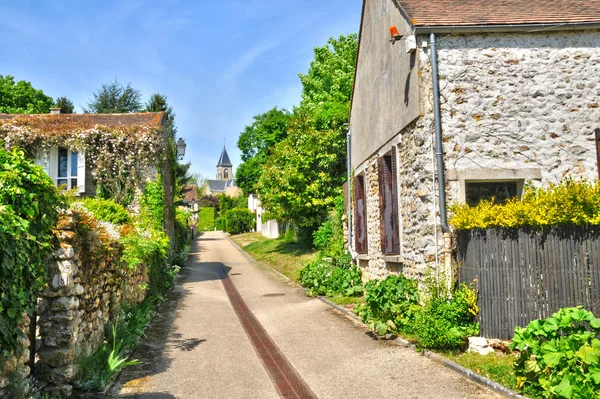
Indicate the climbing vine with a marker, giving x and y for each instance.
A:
(117, 156)
(29, 205)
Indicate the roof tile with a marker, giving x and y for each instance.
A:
(499, 12)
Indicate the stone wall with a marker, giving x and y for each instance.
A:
(87, 284)
(520, 102)
(514, 107)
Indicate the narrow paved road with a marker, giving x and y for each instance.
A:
(233, 329)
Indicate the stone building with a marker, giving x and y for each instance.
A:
(224, 183)
(456, 101)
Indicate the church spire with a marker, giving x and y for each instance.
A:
(224, 159)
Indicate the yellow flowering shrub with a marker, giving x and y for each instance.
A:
(569, 202)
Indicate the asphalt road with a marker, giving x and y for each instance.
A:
(234, 329)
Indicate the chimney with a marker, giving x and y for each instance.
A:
(55, 111)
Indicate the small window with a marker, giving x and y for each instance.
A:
(67, 168)
(499, 191)
(226, 172)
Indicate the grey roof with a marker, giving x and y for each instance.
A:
(220, 185)
(224, 160)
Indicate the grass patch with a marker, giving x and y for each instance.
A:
(496, 367)
(288, 258)
(346, 300)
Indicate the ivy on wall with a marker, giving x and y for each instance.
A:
(117, 156)
(29, 205)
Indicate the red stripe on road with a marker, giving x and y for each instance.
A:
(286, 379)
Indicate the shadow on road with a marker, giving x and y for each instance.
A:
(153, 350)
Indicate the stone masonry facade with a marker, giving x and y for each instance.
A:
(519, 107)
(87, 285)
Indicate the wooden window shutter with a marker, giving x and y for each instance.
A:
(395, 219)
(360, 216)
(387, 186)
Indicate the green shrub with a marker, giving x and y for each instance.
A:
(106, 210)
(329, 237)
(239, 221)
(95, 371)
(323, 278)
(220, 223)
(323, 236)
(570, 202)
(183, 236)
(560, 356)
(206, 219)
(152, 204)
(447, 323)
(29, 205)
(391, 304)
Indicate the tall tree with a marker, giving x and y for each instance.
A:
(66, 106)
(256, 143)
(114, 98)
(305, 171)
(158, 103)
(21, 98)
(331, 75)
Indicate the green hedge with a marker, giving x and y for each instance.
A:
(239, 221)
(570, 202)
(206, 219)
(106, 210)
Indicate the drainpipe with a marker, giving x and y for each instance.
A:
(349, 174)
(439, 153)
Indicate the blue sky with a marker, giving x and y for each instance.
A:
(219, 62)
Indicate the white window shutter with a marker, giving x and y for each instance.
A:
(81, 172)
(43, 160)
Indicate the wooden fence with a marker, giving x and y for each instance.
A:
(525, 274)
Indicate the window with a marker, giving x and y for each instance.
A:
(597, 131)
(226, 173)
(360, 215)
(500, 191)
(66, 167)
(388, 204)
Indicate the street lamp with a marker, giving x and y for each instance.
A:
(180, 148)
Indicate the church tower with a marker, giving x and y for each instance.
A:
(224, 167)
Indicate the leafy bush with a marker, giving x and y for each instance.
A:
(206, 219)
(98, 369)
(391, 304)
(152, 205)
(447, 323)
(29, 205)
(183, 236)
(323, 236)
(239, 221)
(149, 247)
(329, 237)
(560, 356)
(324, 278)
(107, 210)
(570, 202)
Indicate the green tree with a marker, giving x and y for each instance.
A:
(21, 98)
(305, 173)
(256, 143)
(331, 75)
(114, 98)
(66, 106)
(306, 170)
(158, 103)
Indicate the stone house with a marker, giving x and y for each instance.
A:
(457, 101)
(79, 150)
